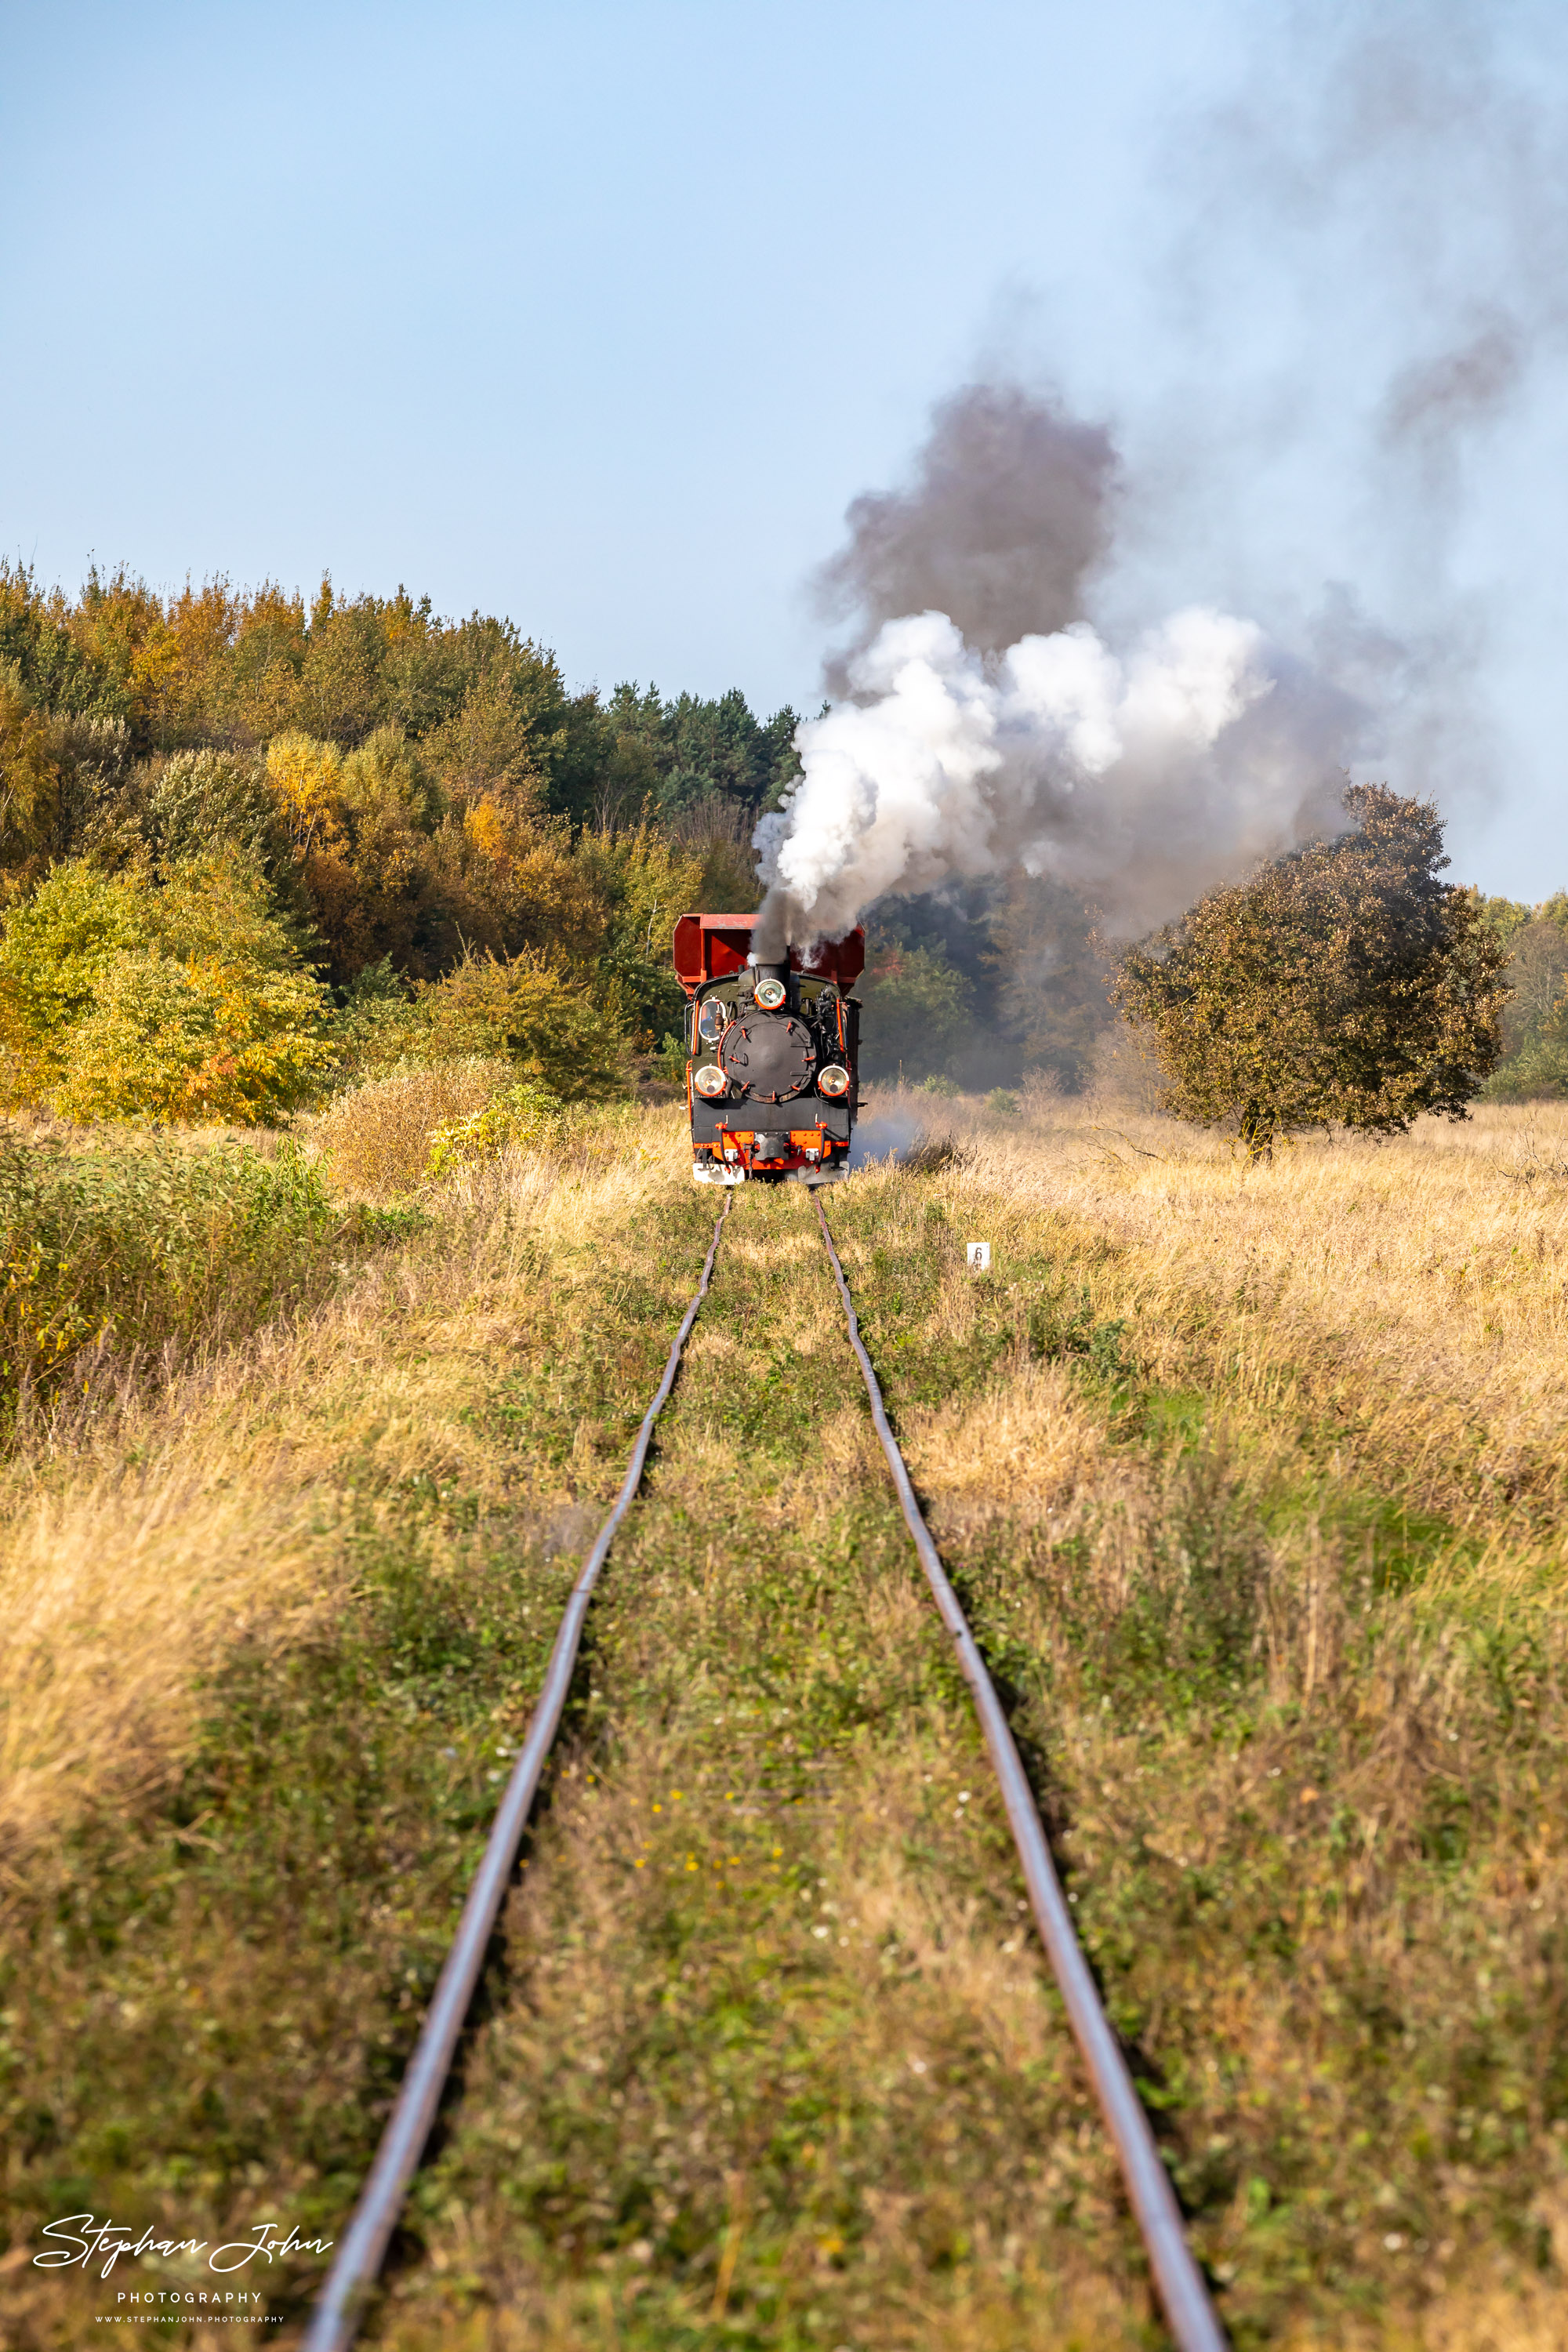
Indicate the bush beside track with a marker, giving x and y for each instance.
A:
(120, 1256)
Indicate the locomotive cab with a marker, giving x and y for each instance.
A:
(771, 1079)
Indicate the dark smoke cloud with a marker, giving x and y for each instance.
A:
(1374, 276)
(1433, 399)
(1009, 513)
(1373, 271)
(1365, 311)
(981, 726)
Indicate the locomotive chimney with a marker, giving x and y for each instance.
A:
(764, 968)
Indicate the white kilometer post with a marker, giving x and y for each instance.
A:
(979, 1258)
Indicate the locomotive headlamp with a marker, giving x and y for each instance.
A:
(833, 1080)
(769, 994)
(711, 1081)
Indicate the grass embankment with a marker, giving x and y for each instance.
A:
(125, 1266)
(119, 1260)
(1256, 1501)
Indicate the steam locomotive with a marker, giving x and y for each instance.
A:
(772, 1083)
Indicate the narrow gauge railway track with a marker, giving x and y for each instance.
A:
(341, 2304)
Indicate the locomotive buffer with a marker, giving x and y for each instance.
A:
(773, 1081)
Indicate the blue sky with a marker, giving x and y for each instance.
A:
(599, 315)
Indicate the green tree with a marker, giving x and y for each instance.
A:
(195, 803)
(647, 882)
(1343, 985)
(212, 1037)
(919, 1012)
(1535, 1018)
(690, 753)
(558, 1032)
(1506, 917)
(56, 947)
(42, 634)
(30, 773)
(1536, 975)
(121, 998)
(1049, 979)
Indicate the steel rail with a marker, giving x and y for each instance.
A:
(1177, 2276)
(340, 2307)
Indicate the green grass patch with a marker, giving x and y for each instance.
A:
(132, 1255)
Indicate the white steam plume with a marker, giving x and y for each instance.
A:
(1137, 780)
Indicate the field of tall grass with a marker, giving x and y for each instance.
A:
(1253, 1477)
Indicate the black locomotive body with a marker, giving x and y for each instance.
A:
(773, 1080)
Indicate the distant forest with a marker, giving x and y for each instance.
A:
(252, 849)
(251, 846)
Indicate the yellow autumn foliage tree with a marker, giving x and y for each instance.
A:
(545, 898)
(307, 777)
(183, 1002)
(644, 880)
(29, 775)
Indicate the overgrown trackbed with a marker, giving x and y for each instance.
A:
(768, 2057)
(775, 2040)
(361, 2250)
(1300, 1783)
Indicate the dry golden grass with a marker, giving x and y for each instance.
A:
(1351, 1321)
(375, 1139)
(215, 1514)
(1418, 1288)
(1020, 1449)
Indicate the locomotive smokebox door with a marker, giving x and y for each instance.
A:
(770, 1055)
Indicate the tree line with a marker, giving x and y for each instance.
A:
(249, 844)
(252, 847)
